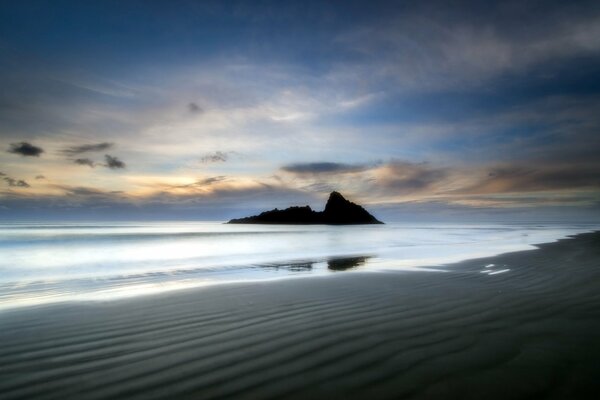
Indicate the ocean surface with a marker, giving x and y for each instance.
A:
(46, 263)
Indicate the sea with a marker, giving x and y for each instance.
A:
(58, 262)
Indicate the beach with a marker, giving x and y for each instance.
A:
(519, 325)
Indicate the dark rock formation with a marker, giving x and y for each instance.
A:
(338, 211)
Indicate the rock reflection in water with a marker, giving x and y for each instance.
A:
(292, 267)
(346, 263)
(332, 264)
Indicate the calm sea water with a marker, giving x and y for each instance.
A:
(43, 263)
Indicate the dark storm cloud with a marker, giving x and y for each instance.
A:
(217, 156)
(16, 182)
(25, 149)
(113, 162)
(85, 161)
(86, 148)
(323, 168)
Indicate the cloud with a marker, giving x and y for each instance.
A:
(226, 202)
(514, 179)
(195, 108)
(85, 161)
(200, 183)
(85, 148)
(324, 168)
(493, 185)
(87, 192)
(25, 149)
(406, 177)
(113, 162)
(12, 182)
(210, 181)
(38, 177)
(436, 46)
(200, 187)
(217, 156)
(110, 162)
(16, 182)
(372, 182)
(321, 187)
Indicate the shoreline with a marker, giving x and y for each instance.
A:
(530, 331)
(128, 285)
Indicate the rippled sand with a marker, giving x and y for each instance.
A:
(520, 325)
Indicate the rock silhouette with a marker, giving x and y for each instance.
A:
(338, 211)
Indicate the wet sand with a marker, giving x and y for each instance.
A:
(526, 327)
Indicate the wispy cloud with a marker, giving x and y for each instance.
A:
(198, 184)
(84, 161)
(324, 167)
(89, 192)
(518, 179)
(209, 181)
(422, 49)
(86, 148)
(405, 177)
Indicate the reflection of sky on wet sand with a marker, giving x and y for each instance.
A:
(42, 264)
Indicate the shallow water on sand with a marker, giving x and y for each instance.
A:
(43, 263)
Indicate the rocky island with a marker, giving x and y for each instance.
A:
(338, 211)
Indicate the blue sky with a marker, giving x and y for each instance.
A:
(216, 109)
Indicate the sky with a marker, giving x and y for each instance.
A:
(213, 110)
